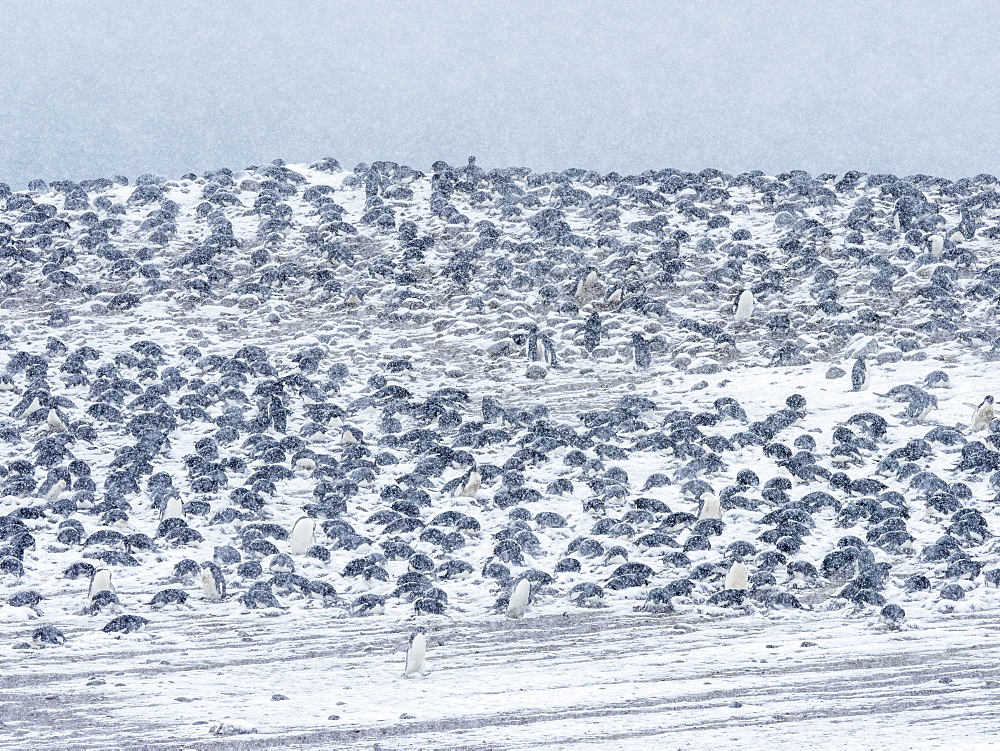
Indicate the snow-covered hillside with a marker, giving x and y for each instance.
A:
(302, 399)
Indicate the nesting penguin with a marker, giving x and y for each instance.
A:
(415, 654)
(860, 375)
(983, 415)
(518, 603)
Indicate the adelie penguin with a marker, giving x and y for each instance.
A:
(416, 654)
(983, 415)
(213, 582)
(518, 603)
(302, 536)
(860, 375)
(737, 577)
(640, 348)
(744, 306)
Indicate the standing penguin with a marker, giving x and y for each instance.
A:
(983, 415)
(745, 306)
(592, 332)
(301, 538)
(937, 245)
(279, 415)
(737, 577)
(518, 603)
(471, 485)
(710, 507)
(173, 509)
(640, 347)
(416, 653)
(548, 351)
(860, 375)
(213, 581)
(54, 422)
(101, 582)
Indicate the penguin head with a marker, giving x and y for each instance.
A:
(418, 630)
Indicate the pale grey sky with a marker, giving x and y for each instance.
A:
(98, 88)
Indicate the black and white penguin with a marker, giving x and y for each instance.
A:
(471, 485)
(744, 306)
(737, 577)
(100, 582)
(173, 509)
(711, 507)
(416, 653)
(302, 536)
(47, 636)
(125, 624)
(983, 415)
(860, 375)
(518, 603)
(892, 615)
(213, 582)
(640, 349)
(592, 332)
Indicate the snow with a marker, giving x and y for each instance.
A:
(562, 676)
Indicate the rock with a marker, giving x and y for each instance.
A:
(835, 371)
(503, 348)
(889, 355)
(704, 366)
(536, 372)
(232, 727)
(861, 346)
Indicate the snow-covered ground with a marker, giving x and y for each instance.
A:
(357, 348)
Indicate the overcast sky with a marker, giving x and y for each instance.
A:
(98, 88)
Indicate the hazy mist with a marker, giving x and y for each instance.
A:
(99, 88)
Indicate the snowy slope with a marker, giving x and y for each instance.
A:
(358, 347)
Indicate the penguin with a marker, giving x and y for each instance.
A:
(416, 653)
(745, 306)
(47, 635)
(302, 536)
(710, 507)
(640, 348)
(56, 490)
(100, 582)
(213, 581)
(983, 415)
(472, 484)
(54, 422)
(892, 615)
(518, 603)
(173, 509)
(937, 245)
(737, 577)
(592, 332)
(860, 375)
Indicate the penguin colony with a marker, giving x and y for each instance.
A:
(385, 392)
